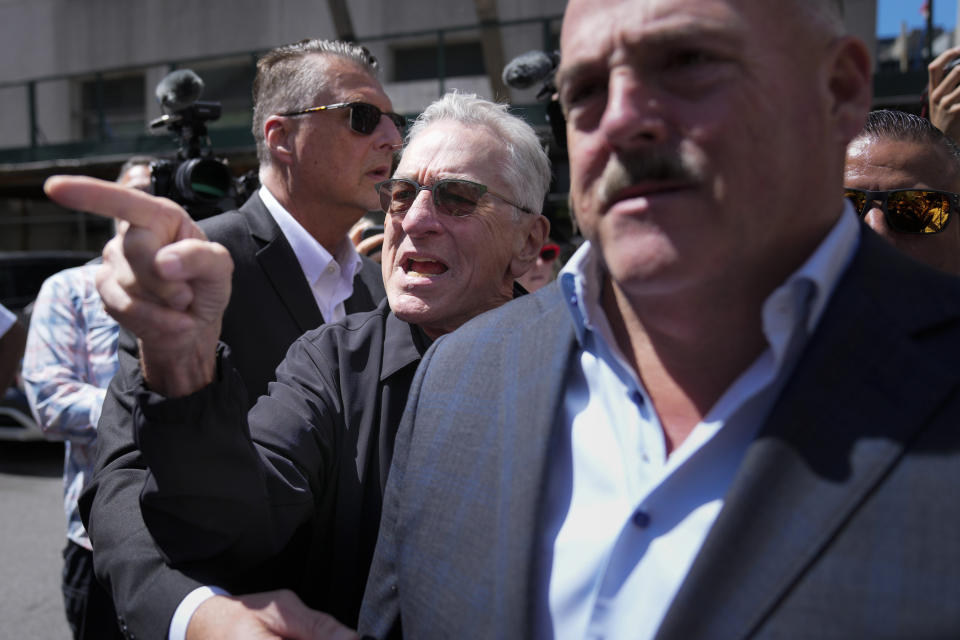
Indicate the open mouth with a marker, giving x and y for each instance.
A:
(423, 267)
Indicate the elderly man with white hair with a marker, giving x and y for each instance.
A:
(295, 485)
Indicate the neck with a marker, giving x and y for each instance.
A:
(327, 226)
(687, 350)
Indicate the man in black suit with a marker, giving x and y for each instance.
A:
(736, 412)
(294, 269)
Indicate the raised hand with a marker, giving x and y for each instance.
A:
(160, 278)
(945, 93)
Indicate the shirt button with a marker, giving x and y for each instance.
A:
(637, 397)
(641, 518)
(330, 269)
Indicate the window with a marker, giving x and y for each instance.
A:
(420, 63)
(120, 99)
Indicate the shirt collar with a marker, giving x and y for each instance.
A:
(580, 282)
(311, 255)
(403, 344)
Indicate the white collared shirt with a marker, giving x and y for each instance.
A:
(330, 276)
(624, 519)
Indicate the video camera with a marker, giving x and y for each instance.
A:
(197, 180)
(534, 67)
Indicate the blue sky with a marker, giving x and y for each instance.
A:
(891, 12)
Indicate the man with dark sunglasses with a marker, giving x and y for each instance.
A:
(289, 495)
(294, 269)
(903, 175)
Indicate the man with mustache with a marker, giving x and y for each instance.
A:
(291, 496)
(903, 176)
(736, 412)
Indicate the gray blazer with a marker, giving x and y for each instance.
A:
(841, 522)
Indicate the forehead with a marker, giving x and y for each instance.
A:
(884, 163)
(601, 30)
(448, 149)
(347, 82)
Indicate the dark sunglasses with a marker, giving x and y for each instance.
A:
(364, 117)
(549, 252)
(453, 197)
(909, 210)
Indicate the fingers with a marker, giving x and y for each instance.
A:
(111, 200)
(936, 71)
(364, 247)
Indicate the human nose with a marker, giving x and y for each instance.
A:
(633, 114)
(422, 217)
(388, 134)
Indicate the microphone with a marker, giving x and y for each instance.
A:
(529, 68)
(179, 89)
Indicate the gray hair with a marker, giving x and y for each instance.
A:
(885, 124)
(527, 172)
(289, 79)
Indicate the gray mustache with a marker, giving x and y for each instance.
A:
(623, 171)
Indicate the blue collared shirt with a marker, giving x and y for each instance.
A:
(625, 520)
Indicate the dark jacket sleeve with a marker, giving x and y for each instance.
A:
(145, 591)
(228, 490)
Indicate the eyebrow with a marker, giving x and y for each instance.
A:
(685, 30)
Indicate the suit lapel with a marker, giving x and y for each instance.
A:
(866, 385)
(534, 409)
(280, 265)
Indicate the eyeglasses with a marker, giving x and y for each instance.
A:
(909, 210)
(364, 117)
(549, 252)
(453, 197)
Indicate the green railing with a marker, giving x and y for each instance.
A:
(222, 137)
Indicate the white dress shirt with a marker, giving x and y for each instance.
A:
(624, 519)
(330, 276)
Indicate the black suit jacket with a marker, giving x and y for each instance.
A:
(841, 521)
(271, 306)
(299, 508)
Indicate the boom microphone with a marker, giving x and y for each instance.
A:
(179, 89)
(529, 68)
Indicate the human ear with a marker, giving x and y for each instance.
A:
(849, 86)
(529, 246)
(278, 134)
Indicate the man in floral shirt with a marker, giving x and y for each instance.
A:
(71, 356)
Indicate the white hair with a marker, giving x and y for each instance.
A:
(527, 171)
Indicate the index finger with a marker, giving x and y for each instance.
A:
(935, 70)
(112, 200)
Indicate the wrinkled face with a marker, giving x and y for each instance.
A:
(692, 126)
(884, 164)
(336, 165)
(441, 270)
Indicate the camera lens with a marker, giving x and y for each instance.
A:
(203, 180)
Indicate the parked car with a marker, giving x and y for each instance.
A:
(21, 275)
